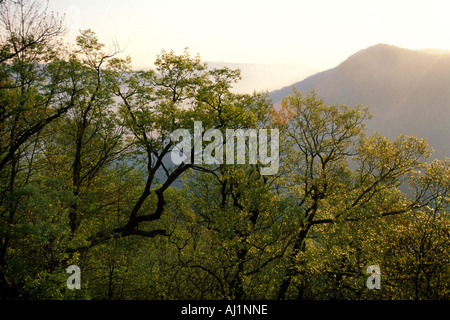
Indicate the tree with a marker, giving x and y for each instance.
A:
(237, 233)
(28, 29)
(416, 245)
(320, 142)
(27, 104)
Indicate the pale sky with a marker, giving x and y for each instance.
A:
(319, 34)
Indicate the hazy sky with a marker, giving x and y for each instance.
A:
(320, 34)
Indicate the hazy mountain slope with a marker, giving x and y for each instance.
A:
(262, 77)
(407, 91)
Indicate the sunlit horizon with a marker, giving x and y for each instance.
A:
(318, 34)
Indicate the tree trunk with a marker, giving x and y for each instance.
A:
(299, 246)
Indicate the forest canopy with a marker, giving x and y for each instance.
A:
(86, 180)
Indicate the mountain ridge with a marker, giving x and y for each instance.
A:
(406, 91)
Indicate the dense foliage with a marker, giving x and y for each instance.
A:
(86, 179)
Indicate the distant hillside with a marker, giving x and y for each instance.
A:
(407, 91)
(265, 77)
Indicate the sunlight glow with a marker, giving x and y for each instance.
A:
(319, 34)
